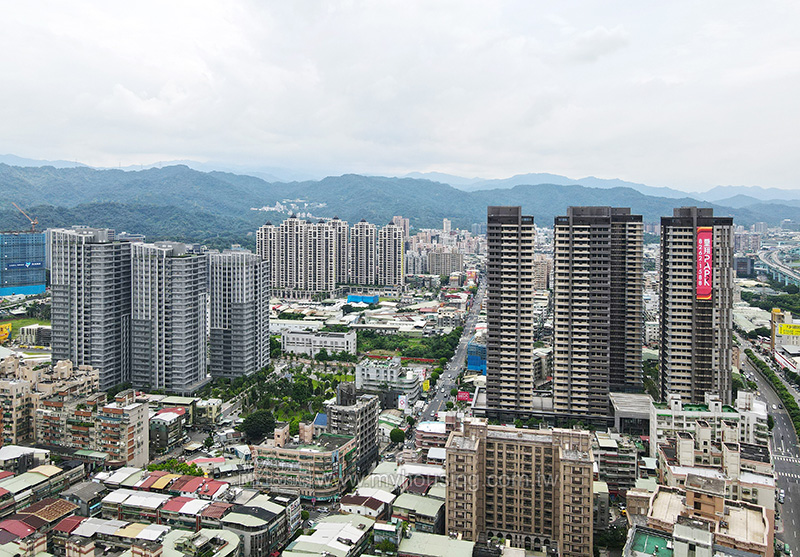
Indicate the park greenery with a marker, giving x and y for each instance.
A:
(434, 348)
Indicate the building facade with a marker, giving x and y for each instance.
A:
(598, 308)
(361, 421)
(696, 314)
(22, 263)
(238, 288)
(445, 263)
(364, 253)
(531, 487)
(90, 281)
(168, 318)
(510, 360)
(390, 256)
(119, 428)
(302, 255)
(311, 342)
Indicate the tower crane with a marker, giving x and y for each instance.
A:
(34, 222)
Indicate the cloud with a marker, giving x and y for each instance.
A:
(590, 46)
(669, 94)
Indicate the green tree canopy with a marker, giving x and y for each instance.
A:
(258, 424)
(397, 435)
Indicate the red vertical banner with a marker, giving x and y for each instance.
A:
(705, 267)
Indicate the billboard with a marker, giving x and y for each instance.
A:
(26, 265)
(789, 329)
(5, 332)
(705, 272)
(426, 386)
(463, 396)
(402, 402)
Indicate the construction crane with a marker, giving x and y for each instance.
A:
(34, 222)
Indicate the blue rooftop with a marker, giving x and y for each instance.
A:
(321, 420)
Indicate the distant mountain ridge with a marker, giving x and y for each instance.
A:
(210, 206)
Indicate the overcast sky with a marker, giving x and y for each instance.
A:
(680, 94)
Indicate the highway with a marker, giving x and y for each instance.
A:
(771, 259)
(785, 455)
(456, 364)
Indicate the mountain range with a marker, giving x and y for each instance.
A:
(181, 203)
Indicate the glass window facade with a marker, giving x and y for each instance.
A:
(22, 263)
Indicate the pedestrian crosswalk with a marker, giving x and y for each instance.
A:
(784, 458)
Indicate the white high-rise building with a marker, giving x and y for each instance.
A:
(363, 253)
(390, 256)
(238, 285)
(302, 256)
(90, 281)
(696, 305)
(342, 235)
(168, 318)
(446, 226)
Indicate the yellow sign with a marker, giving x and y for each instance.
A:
(789, 329)
(5, 332)
(426, 386)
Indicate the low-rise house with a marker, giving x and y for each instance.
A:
(344, 535)
(421, 544)
(88, 496)
(422, 514)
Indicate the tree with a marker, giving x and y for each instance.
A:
(305, 515)
(209, 441)
(258, 424)
(397, 435)
(792, 289)
(322, 355)
(386, 546)
(453, 391)
(410, 420)
(449, 405)
(770, 422)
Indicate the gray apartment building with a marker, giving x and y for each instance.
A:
(696, 305)
(361, 421)
(238, 288)
(510, 359)
(90, 277)
(598, 323)
(168, 318)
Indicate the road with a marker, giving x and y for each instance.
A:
(448, 378)
(785, 455)
(772, 258)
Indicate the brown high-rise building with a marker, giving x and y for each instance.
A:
(598, 321)
(510, 360)
(696, 305)
(532, 488)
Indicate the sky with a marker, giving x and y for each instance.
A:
(682, 94)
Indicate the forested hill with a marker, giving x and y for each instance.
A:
(179, 203)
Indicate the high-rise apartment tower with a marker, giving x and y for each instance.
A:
(696, 305)
(510, 360)
(168, 318)
(391, 257)
(90, 279)
(598, 324)
(238, 288)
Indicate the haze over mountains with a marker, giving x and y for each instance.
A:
(215, 207)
